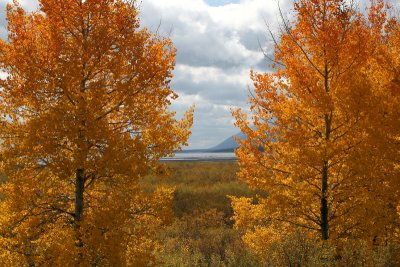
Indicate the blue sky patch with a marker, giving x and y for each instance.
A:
(220, 2)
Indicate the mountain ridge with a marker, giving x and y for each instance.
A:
(228, 145)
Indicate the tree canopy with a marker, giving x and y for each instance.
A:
(85, 116)
(313, 132)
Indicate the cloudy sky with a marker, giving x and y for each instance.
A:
(218, 42)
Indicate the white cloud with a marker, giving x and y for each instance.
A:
(211, 74)
(216, 48)
(247, 14)
(3, 75)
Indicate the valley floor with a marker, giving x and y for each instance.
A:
(201, 233)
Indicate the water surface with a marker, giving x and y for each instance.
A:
(202, 157)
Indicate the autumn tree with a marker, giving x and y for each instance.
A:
(383, 130)
(307, 144)
(86, 105)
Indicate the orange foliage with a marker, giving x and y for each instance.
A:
(309, 139)
(86, 106)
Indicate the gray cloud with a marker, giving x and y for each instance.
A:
(213, 85)
(217, 44)
(216, 93)
(202, 41)
(216, 47)
(3, 23)
(212, 125)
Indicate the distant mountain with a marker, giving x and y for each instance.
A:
(229, 144)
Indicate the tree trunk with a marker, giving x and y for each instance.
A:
(325, 166)
(324, 203)
(30, 261)
(79, 189)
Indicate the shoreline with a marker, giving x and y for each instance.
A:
(198, 159)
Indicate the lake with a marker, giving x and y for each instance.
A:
(202, 157)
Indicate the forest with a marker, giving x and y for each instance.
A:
(85, 97)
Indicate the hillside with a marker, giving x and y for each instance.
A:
(228, 145)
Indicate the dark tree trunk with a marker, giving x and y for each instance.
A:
(79, 189)
(324, 203)
(325, 167)
(30, 261)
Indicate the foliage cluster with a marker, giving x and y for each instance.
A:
(84, 117)
(322, 139)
